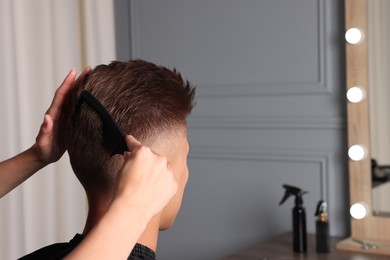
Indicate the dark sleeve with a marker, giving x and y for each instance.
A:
(55, 251)
(52, 252)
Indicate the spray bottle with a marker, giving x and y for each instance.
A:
(298, 217)
(322, 228)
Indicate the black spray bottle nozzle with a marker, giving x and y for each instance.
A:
(295, 191)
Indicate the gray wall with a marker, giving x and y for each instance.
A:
(270, 110)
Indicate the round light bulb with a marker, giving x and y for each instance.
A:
(358, 210)
(355, 94)
(357, 152)
(354, 36)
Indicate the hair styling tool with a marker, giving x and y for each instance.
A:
(113, 138)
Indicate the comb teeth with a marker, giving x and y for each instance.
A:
(113, 139)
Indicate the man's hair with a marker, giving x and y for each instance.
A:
(145, 100)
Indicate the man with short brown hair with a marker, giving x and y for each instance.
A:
(139, 98)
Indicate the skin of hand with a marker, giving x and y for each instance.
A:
(48, 147)
(48, 143)
(145, 186)
(145, 180)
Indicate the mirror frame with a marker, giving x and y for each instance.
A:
(371, 228)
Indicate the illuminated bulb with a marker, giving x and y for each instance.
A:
(353, 36)
(357, 152)
(358, 210)
(355, 94)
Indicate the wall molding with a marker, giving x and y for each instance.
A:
(279, 88)
(266, 122)
(318, 86)
(321, 158)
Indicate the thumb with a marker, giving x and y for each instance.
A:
(46, 128)
(132, 143)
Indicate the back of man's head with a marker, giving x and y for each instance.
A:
(147, 101)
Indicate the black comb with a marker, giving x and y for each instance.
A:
(113, 138)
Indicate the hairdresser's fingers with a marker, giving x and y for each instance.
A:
(44, 141)
(45, 132)
(140, 153)
(132, 143)
(145, 179)
(61, 93)
(47, 126)
(85, 72)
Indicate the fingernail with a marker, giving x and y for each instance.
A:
(126, 154)
(45, 119)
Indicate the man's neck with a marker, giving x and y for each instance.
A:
(148, 238)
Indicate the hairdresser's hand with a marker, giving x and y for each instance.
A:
(144, 186)
(145, 181)
(48, 143)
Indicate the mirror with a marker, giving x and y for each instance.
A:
(379, 106)
(368, 227)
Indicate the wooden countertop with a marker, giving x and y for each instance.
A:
(281, 248)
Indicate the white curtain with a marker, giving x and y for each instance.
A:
(40, 41)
